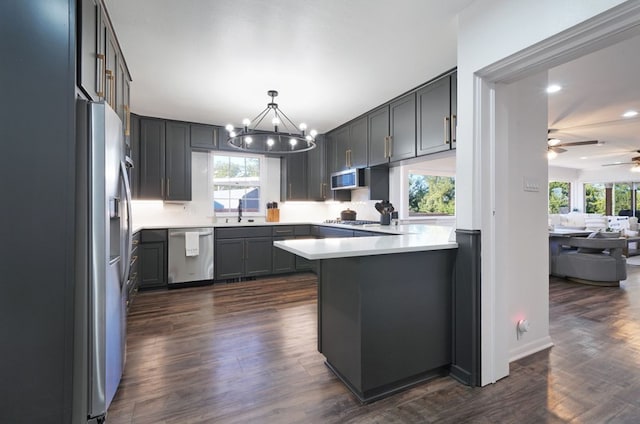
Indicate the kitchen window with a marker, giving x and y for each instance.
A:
(237, 179)
(431, 195)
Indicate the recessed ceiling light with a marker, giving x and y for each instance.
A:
(630, 114)
(554, 88)
(583, 157)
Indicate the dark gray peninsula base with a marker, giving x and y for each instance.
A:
(385, 321)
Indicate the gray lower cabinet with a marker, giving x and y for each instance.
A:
(242, 252)
(319, 231)
(153, 259)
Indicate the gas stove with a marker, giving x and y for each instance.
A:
(354, 222)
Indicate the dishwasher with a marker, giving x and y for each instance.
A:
(190, 255)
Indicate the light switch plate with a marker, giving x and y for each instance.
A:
(531, 184)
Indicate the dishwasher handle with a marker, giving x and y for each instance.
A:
(182, 233)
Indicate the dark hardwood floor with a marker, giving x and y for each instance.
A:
(246, 353)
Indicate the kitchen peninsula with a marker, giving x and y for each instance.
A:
(384, 306)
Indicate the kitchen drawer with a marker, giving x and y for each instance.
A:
(135, 239)
(302, 230)
(151, 236)
(283, 230)
(242, 232)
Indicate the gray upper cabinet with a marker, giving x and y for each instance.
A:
(89, 63)
(317, 188)
(293, 177)
(351, 145)
(204, 137)
(152, 159)
(402, 125)
(164, 160)
(379, 136)
(178, 162)
(454, 109)
(435, 116)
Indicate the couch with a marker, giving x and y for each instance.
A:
(596, 259)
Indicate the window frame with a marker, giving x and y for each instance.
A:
(262, 183)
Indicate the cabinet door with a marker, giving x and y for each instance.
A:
(152, 265)
(152, 159)
(378, 133)
(123, 99)
(283, 261)
(229, 258)
(178, 161)
(303, 264)
(433, 117)
(316, 169)
(357, 157)
(89, 63)
(134, 173)
(111, 69)
(342, 145)
(402, 118)
(454, 109)
(293, 177)
(258, 256)
(204, 136)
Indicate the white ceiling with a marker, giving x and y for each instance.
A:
(331, 60)
(597, 90)
(212, 61)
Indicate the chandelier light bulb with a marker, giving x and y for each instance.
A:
(309, 138)
(275, 121)
(313, 133)
(293, 142)
(270, 142)
(246, 122)
(248, 140)
(303, 126)
(229, 127)
(232, 134)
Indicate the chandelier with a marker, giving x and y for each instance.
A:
(285, 137)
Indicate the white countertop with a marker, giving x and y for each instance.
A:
(406, 238)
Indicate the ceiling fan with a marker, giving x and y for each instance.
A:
(635, 161)
(556, 145)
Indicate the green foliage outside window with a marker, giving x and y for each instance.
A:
(431, 195)
(594, 198)
(621, 197)
(559, 197)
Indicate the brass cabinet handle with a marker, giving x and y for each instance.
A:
(446, 132)
(322, 186)
(346, 158)
(127, 120)
(290, 191)
(100, 74)
(454, 129)
(109, 76)
(390, 150)
(135, 242)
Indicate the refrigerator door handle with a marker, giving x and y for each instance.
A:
(127, 190)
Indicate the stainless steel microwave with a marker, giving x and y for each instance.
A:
(351, 178)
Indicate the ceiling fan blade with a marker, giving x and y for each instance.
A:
(619, 163)
(578, 143)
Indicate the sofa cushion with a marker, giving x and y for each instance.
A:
(597, 234)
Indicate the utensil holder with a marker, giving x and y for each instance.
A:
(385, 219)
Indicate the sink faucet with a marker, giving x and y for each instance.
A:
(239, 210)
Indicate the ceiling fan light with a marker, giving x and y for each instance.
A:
(553, 141)
(553, 88)
(630, 114)
(551, 154)
(635, 168)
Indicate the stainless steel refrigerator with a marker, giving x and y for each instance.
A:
(103, 249)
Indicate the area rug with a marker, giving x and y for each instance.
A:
(633, 260)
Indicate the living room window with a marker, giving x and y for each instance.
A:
(431, 195)
(622, 193)
(559, 197)
(594, 198)
(236, 179)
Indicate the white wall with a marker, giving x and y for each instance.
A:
(490, 31)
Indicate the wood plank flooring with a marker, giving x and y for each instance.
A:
(246, 353)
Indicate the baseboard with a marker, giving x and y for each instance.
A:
(530, 348)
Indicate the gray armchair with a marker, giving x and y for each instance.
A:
(594, 260)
